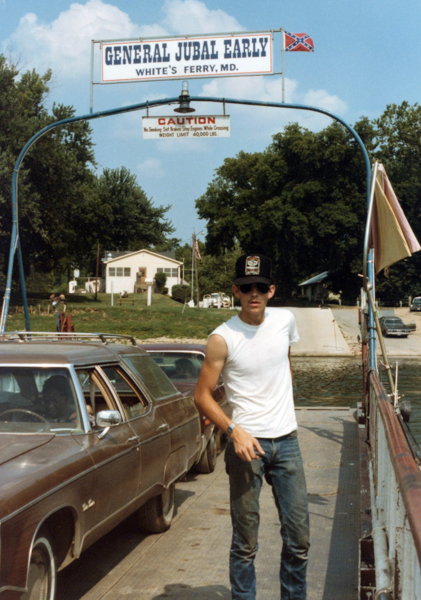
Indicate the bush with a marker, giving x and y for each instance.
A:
(181, 293)
(160, 281)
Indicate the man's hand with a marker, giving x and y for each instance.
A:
(245, 444)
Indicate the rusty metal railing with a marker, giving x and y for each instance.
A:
(395, 482)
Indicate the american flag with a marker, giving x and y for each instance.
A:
(298, 42)
(196, 248)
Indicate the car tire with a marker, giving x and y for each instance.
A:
(156, 515)
(42, 574)
(207, 462)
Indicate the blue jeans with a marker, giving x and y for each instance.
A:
(282, 467)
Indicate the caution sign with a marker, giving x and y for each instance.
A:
(175, 58)
(185, 126)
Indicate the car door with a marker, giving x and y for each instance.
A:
(177, 412)
(115, 453)
(150, 428)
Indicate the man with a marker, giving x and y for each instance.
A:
(252, 352)
(59, 400)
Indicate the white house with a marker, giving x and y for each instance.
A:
(128, 271)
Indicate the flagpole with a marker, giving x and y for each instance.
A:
(283, 64)
(192, 265)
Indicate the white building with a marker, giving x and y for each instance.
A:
(128, 271)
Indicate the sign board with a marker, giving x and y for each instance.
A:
(185, 126)
(187, 57)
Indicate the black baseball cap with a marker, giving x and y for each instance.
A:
(253, 268)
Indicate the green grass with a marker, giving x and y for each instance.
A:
(164, 318)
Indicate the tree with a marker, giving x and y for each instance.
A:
(55, 176)
(302, 202)
(122, 216)
(64, 209)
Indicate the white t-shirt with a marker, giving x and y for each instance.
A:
(257, 374)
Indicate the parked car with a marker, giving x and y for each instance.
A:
(90, 432)
(394, 326)
(216, 300)
(182, 364)
(415, 304)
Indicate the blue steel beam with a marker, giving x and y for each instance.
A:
(15, 243)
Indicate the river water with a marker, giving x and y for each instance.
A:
(338, 382)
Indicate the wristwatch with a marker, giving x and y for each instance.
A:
(230, 429)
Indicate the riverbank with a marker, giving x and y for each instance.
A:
(336, 332)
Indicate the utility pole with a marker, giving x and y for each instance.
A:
(192, 266)
(97, 269)
(195, 268)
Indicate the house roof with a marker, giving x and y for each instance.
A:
(144, 251)
(315, 279)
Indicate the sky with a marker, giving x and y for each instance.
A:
(366, 56)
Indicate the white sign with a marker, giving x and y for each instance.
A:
(175, 58)
(185, 126)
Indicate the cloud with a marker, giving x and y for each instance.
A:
(65, 44)
(151, 167)
(192, 16)
(266, 121)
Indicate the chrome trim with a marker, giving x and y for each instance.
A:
(48, 336)
(12, 588)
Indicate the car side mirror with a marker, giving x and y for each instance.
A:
(108, 418)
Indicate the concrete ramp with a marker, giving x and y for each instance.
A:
(319, 333)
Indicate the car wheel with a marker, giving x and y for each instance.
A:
(207, 462)
(42, 572)
(156, 515)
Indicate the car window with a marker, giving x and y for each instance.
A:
(95, 393)
(154, 379)
(179, 365)
(131, 398)
(37, 400)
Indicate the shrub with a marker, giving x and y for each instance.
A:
(160, 281)
(181, 293)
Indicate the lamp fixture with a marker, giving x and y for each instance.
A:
(184, 100)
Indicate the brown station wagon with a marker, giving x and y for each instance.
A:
(90, 432)
(182, 364)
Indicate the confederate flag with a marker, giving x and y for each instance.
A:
(298, 42)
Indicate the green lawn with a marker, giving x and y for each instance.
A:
(164, 318)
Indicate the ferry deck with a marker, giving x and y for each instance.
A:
(190, 561)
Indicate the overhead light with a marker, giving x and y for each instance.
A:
(184, 100)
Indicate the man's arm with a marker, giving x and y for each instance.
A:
(216, 354)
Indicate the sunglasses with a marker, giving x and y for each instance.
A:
(263, 288)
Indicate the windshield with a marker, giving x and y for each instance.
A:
(179, 366)
(36, 400)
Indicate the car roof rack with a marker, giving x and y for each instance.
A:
(48, 336)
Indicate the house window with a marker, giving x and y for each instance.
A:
(119, 271)
(126, 271)
(111, 271)
(168, 272)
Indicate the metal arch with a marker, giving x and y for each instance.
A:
(15, 242)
